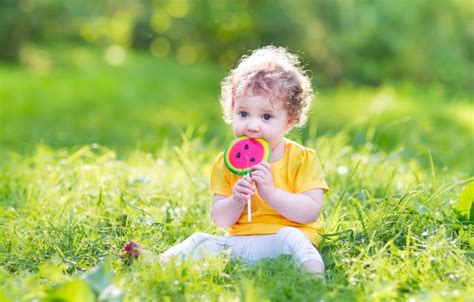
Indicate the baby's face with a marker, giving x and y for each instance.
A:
(257, 117)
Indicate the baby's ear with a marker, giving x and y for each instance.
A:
(290, 124)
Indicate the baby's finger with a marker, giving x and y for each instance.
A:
(244, 178)
(247, 177)
(261, 167)
(243, 190)
(245, 183)
(258, 173)
(258, 179)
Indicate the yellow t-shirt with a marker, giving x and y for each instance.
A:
(296, 172)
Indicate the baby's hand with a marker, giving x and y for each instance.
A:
(243, 190)
(262, 176)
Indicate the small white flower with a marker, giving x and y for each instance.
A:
(342, 170)
(353, 280)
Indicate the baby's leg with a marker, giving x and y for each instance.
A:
(195, 246)
(294, 242)
(287, 241)
(252, 248)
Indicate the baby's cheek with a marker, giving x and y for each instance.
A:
(237, 128)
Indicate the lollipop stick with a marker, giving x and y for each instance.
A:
(249, 208)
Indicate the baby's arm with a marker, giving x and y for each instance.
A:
(298, 207)
(302, 208)
(226, 210)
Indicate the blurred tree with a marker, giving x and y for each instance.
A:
(365, 41)
(13, 30)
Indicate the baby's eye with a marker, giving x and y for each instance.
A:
(243, 114)
(267, 116)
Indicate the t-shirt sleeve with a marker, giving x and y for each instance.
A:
(307, 172)
(220, 181)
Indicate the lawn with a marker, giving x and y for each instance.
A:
(93, 155)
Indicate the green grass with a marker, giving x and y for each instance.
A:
(93, 156)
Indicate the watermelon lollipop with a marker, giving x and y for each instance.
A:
(243, 153)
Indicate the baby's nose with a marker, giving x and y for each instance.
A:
(252, 126)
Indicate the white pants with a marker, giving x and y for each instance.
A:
(249, 249)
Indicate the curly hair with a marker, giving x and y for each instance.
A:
(271, 71)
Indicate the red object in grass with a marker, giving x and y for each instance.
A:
(132, 250)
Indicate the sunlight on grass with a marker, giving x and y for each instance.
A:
(391, 231)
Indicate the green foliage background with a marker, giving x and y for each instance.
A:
(367, 42)
(109, 122)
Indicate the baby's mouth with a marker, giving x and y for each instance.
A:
(253, 136)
